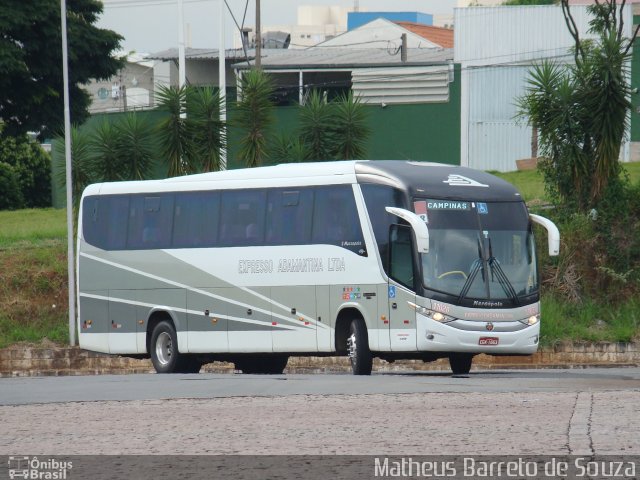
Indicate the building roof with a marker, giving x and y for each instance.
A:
(231, 54)
(438, 35)
(347, 57)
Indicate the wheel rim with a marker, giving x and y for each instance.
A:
(351, 347)
(164, 348)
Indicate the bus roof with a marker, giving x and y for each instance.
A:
(417, 178)
(437, 180)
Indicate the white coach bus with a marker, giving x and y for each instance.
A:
(388, 259)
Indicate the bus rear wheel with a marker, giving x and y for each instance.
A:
(164, 351)
(358, 348)
(460, 363)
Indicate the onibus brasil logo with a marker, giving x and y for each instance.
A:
(38, 469)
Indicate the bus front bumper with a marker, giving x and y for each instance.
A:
(440, 337)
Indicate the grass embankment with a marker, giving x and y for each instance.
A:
(33, 275)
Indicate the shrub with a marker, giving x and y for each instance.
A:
(32, 168)
(10, 194)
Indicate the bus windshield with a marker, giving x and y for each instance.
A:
(479, 251)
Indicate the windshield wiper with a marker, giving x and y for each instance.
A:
(476, 266)
(503, 280)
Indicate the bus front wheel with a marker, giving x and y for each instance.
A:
(358, 348)
(460, 363)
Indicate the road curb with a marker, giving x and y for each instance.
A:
(49, 359)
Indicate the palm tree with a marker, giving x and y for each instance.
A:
(108, 165)
(581, 110)
(350, 127)
(82, 171)
(135, 146)
(206, 131)
(288, 149)
(316, 127)
(173, 131)
(254, 116)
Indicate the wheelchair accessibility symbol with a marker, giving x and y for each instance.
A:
(392, 291)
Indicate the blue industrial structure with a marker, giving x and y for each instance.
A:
(357, 19)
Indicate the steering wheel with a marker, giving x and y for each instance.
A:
(453, 272)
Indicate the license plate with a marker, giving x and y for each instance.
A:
(488, 341)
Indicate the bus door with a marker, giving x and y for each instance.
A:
(402, 318)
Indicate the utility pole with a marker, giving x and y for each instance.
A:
(403, 48)
(222, 82)
(181, 57)
(258, 36)
(69, 178)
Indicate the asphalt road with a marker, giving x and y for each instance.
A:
(547, 412)
(37, 390)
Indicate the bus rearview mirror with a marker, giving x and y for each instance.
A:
(417, 224)
(552, 232)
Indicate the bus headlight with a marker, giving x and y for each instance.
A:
(437, 316)
(532, 320)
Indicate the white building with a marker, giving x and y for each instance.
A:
(496, 48)
(315, 24)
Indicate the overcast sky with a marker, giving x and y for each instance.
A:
(151, 25)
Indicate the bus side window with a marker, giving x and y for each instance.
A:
(289, 214)
(150, 222)
(242, 217)
(336, 220)
(195, 219)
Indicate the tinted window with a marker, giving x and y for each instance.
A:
(104, 221)
(289, 215)
(195, 220)
(150, 221)
(335, 219)
(377, 197)
(242, 217)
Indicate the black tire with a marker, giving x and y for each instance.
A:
(163, 349)
(268, 364)
(460, 363)
(358, 348)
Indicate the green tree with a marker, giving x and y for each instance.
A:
(32, 166)
(580, 110)
(351, 129)
(206, 130)
(288, 149)
(31, 96)
(10, 194)
(108, 165)
(317, 127)
(174, 133)
(254, 116)
(135, 146)
(83, 158)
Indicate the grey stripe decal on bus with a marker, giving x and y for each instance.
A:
(245, 321)
(166, 281)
